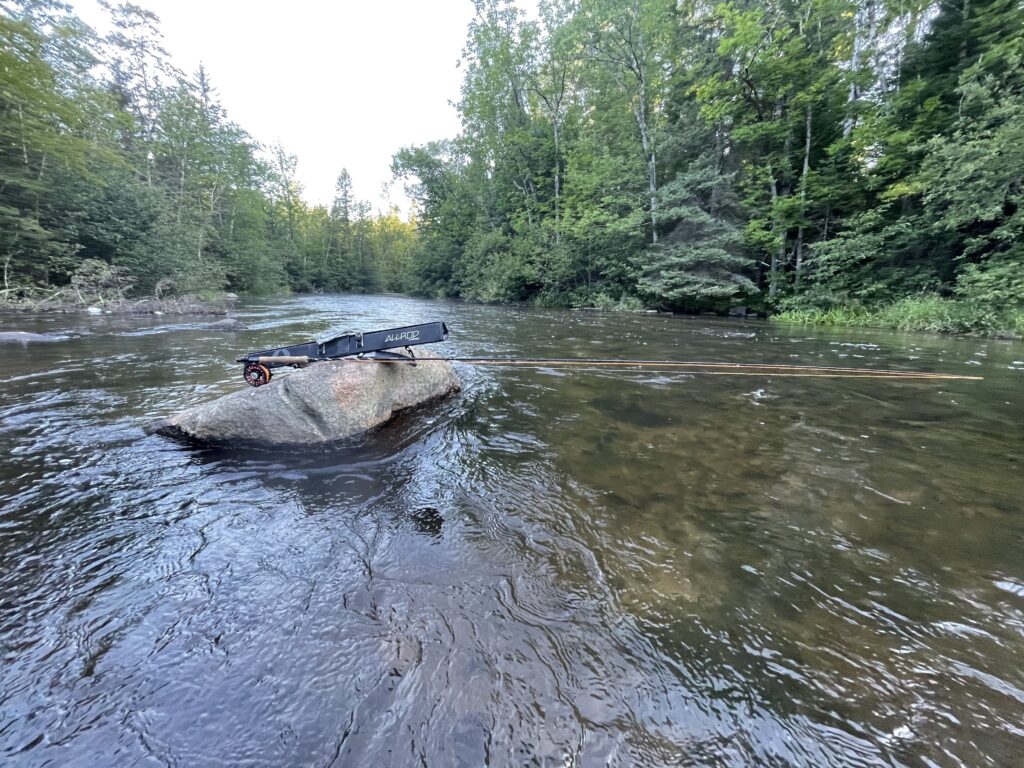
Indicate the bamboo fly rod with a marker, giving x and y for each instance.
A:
(683, 366)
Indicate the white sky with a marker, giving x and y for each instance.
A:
(341, 83)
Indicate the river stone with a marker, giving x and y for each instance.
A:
(24, 337)
(326, 402)
(227, 324)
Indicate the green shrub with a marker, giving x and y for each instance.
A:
(605, 302)
(916, 313)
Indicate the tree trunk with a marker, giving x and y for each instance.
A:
(653, 182)
(558, 233)
(773, 274)
(854, 66)
(876, 54)
(24, 145)
(181, 188)
(803, 202)
(39, 180)
(647, 142)
(965, 14)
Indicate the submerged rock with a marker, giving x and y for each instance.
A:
(24, 337)
(326, 402)
(227, 324)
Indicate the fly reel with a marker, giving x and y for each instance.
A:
(256, 374)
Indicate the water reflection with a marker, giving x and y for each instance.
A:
(552, 568)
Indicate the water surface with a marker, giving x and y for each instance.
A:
(553, 568)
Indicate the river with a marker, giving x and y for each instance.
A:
(552, 568)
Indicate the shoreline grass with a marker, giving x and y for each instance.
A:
(918, 313)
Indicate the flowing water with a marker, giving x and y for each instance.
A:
(552, 568)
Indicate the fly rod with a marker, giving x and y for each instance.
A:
(377, 347)
(687, 366)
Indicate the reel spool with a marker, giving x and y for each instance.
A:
(256, 375)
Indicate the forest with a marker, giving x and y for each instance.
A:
(120, 173)
(849, 161)
(855, 161)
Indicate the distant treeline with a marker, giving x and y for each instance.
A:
(809, 155)
(116, 168)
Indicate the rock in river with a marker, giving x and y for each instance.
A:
(227, 324)
(24, 337)
(325, 402)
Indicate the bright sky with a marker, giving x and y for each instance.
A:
(341, 84)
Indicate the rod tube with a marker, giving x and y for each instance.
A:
(283, 360)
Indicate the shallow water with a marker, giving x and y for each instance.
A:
(553, 568)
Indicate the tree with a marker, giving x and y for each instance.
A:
(936, 200)
(701, 261)
(632, 40)
(973, 180)
(37, 135)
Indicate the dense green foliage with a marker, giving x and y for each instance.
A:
(829, 159)
(794, 154)
(113, 163)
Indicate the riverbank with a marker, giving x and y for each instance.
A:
(933, 314)
(923, 313)
(62, 303)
